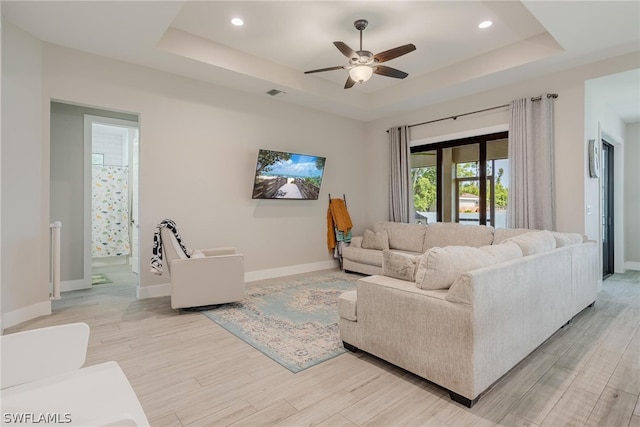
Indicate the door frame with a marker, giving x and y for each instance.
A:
(608, 222)
(89, 120)
(618, 198)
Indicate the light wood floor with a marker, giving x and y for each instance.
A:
(187, 370)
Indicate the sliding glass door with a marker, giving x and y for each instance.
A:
(464, 181)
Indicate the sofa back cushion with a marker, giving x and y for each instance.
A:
(404, 237)
(442, 234)
(504, 252)
(502, 234)
(567, 239)
(534, 242)
(438, 268)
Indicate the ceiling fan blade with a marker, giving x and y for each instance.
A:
(350, 82)
(346, 50)
(394, 53)
(338, 67)
(383, 70)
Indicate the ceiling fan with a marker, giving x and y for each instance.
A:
(363, 64)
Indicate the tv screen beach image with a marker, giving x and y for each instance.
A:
(284, 175)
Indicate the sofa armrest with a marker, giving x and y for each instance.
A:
(218, 251)
(42, 353)
(586, 274)
(417, 330)
(356, 242)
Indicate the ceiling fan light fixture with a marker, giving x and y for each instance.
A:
(361, 73)
(363, 63)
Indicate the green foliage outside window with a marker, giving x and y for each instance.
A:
(425, 185)
(424, 188)
(502, 192)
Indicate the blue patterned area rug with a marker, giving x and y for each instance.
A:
(294, 322)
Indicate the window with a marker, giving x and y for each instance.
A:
(463, 181)
(424, 179)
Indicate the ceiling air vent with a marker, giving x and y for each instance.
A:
(274, 92)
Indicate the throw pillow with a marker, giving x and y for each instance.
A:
(378, 240)
(440, 267)
(398, 265)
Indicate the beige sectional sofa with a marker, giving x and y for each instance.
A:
(465, 312)
(411, 239)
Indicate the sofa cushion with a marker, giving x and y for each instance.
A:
(567, 239)
(438, 268)
(442, 234)
(347, 305)
(405, 237)
(398, 265)
(362, 256)
(504, 252)
(502, 234)
(534, 242)
(375, 240)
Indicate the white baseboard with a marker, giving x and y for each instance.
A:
(252, 276)
(74, 285)
(23, 314)
(163, 290)
(153, 291)
(632, 265)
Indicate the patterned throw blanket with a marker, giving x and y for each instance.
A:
(156, 258)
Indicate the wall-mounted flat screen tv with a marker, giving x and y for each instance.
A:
(284, 175)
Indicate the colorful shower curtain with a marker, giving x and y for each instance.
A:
(110, 211)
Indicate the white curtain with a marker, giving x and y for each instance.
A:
(531, 200)
(400, 191)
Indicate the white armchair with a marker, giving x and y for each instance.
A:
(210, 276)
(43, 382)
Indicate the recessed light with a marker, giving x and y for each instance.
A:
(237, 22)
(485, 24)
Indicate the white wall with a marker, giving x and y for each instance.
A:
(574, 190)
(632, 197)
(198, 149)
(25, 164)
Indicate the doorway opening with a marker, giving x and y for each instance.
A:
(113, 196)
(72, 162)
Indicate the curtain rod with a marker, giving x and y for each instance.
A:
(537, 98)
